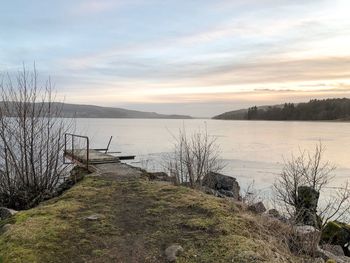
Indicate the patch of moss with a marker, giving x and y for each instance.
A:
(138, 220)
(336, 233)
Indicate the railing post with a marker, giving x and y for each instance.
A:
(65, 142)
(109, 143)
(87, 152)
(65, 148)
(72, 145)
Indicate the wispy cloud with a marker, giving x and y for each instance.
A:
(145, 52)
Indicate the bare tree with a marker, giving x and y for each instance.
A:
(336, 207)
(193, 157)
(310, 170)
(306, 169)
(31, 140)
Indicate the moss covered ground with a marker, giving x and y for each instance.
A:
(138, 219)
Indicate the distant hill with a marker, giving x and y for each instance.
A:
(327, 109)
(91, 111)
(240, 114)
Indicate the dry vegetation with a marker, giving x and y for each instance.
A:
(139, 219)
(31, 141)
(310, 169)
(194, 155)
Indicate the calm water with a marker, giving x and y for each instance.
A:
(253, 150)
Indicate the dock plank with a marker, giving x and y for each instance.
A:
(95, 157)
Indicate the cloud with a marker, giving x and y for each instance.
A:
(106, 52)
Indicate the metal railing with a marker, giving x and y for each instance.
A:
(73, 148)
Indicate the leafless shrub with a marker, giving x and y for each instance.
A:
(194, 155)
(309, 169)
(336, 207)
(31, 140)
(306, 169)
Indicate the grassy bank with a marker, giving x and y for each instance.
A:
(138, 219)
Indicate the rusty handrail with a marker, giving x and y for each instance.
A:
(65, 147)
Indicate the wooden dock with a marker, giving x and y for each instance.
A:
(90, 156)
(86, 157)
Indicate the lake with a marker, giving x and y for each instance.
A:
(252, 150)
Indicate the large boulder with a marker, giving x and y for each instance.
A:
(6, 213)
(337, 233)
(330, 257)
(306, 208)
(334, 249)
(257, 208)
(225, 185)
(213, 192)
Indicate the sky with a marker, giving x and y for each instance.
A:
(193, 57)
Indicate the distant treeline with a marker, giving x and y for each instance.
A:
(328, 109)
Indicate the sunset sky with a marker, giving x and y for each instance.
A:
(187, 57)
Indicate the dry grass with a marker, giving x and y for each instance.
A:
(139, 219)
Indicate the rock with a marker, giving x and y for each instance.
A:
(93, 217)
(257, 208)
(337, 233)
(227, 193)
(6, 213)
(307, 206)
(172, 252)
(274, 214)
(305, 239)
(159, 176)
(330, 257)
(334, 249)
(213, 192)
(226, 185)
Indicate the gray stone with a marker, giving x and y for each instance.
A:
(226, 185)
(213, 192)
(6, 213)
(337, 233)
(334, 249)
(257, 208)
(227, 193)
(172, 252)
(93, 217)
(328, 255)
